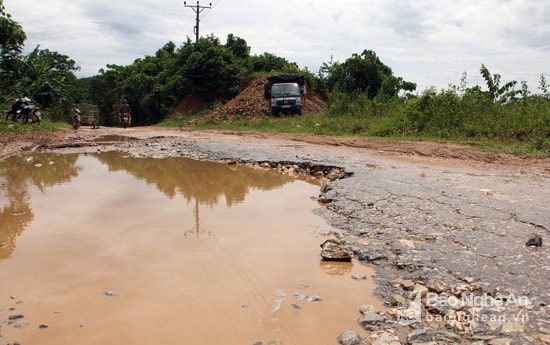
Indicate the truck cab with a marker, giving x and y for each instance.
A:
(286, 93)
(286, 98)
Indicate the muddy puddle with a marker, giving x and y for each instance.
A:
(108, 249)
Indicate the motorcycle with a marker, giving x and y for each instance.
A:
(125, 120)
(16, 109)
(22, 110)
(76, 118)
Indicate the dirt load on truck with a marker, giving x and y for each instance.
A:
(286, 93)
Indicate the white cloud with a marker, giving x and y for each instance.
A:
(429, 42)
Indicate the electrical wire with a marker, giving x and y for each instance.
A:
(216, 3)
(178, 20)
(184, 23)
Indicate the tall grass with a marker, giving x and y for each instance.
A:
(448, 115)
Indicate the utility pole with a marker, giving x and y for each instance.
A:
(198, 9)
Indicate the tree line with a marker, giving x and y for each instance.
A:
(154, 85)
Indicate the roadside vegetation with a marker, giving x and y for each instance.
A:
(363, 96)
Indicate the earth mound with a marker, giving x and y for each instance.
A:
(248, 104)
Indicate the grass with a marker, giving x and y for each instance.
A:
(11, 128)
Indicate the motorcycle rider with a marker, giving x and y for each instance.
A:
(13, 111)
(125, 109)
(76, 118)
(19, 105)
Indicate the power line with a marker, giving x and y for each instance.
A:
(198, 9)
(178, 21)
(214, 4)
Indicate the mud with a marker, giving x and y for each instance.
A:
(441, 216)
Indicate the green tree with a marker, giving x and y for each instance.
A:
(544, 87)
(47, 77)
(500, 94)
(392, 85)
(363, 72)
(238, 47)
(12, 36)
(210, 67)
(12, 39)
(270, 63)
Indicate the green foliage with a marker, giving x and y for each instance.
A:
(268, 63)
(45, 76)
(501, 113)
(211, 67)
(238, 47)
(501, 94)
(544, 87)
(48, 78)
(12, 35)
(437, 114)
(12, 38)
(475, 115)
(155, 84)
(364, 73)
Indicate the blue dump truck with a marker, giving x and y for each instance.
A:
(286, 93)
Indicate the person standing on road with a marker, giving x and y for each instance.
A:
(125, 109)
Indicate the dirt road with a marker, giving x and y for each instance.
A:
(428, 152)
(441, 222)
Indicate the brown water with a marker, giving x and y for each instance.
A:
(198, 253)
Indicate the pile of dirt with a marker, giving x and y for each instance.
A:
(251, 100)
(248, 104)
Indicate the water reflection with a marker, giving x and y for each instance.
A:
(201, 183)
(17, 174)
(336, 268)
(197, 230)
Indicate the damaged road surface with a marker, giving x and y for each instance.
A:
(460, 244)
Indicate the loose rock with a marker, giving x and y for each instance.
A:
(349, 337)
(535, 241)
(335, 250)
(16, 317)
(371, 321)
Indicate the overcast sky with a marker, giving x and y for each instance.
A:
(429, 42)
